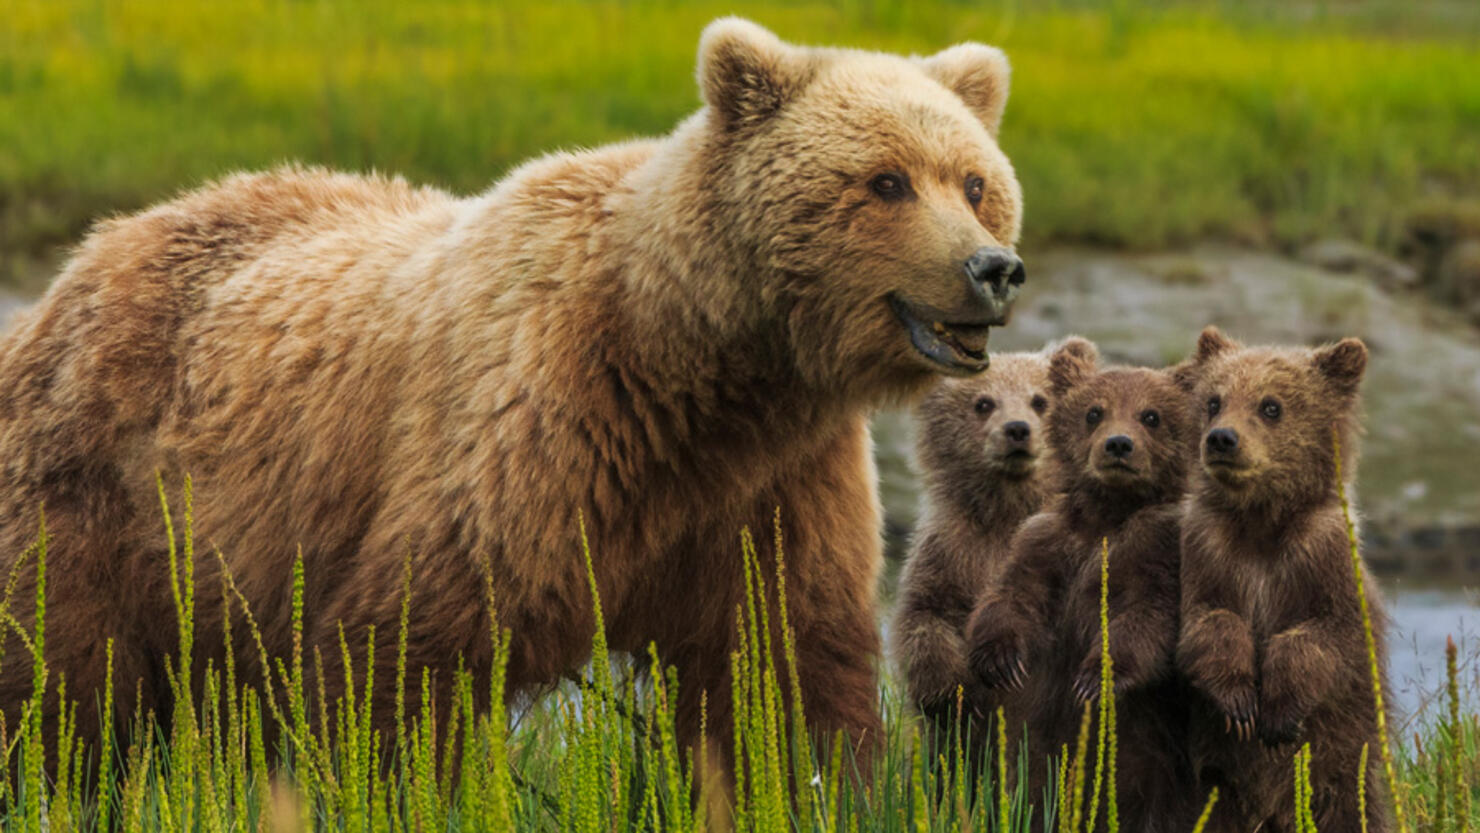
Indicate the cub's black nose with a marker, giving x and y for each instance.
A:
(1222, 440)
(996, 270)
(1017, 431)
(1120, 446)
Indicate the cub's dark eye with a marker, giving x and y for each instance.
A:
(1039, 404)
(1150, 419)
(986, 405)
(1270, 408)
(1214, 406)
(890, 186)
(974, 188)
(1095, 415)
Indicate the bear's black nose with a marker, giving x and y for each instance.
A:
(996, 270)
(1017, 431)
(1222, 440)
(1119, 446)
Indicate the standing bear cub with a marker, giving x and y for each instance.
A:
(664, 340)
(1121, 437)
(1272, 633)
(979, 443)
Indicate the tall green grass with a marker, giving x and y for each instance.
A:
(600, 754)
(1130, 124)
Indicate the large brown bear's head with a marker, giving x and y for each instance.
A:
(869, 194)
(1271, 416)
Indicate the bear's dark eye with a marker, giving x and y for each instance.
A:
(974, 188)
(1095, 415)
(986, 405)
(1270, 408)
(890, 186)
(1150, 419)
(1039, 404)
(1214, 406)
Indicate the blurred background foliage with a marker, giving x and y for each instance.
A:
(1132, 125)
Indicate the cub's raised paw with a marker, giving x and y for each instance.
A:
(999, 662)
(1086, 686)
(1239, 706)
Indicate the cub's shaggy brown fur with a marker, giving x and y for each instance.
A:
(1272, 635)
(668, 338)
(1121, 436)
(979, 444)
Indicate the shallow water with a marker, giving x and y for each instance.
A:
(1423, 616)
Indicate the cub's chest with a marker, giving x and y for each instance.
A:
(1082, 583)
(1268, 588)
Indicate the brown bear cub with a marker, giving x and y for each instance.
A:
(1121, 437)
(1272, 635)
(979, 443)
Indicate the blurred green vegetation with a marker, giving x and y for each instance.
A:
(1140, 127)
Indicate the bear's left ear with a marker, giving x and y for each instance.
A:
(1343, 364)
(1210, 344)
(746, 73)
(1075, 360)
(979, 74)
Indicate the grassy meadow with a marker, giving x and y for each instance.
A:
(599, 755)
(1130, 124)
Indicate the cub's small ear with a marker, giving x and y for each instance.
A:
(746, 73)
(1212, 342)
(1343, 364)
(1074, 361)
(979, 74)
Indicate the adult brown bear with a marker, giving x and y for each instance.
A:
(670, 338)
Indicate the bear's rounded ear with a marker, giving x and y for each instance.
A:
(745, 72)
(1075, 360)
(1212, 342)
(1343, 364)
(979, 74)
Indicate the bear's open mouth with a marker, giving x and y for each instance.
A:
(960, 346)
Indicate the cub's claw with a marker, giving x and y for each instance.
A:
(1238, 715)
(998, 665)
(1241, 727)
(1086, 688)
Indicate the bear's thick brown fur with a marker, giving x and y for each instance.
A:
(1121, 437)
(984, 469)
(1272, 635)
(668, 338)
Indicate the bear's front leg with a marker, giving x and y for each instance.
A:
(1298, 673)
(830, 536)
(1011, 618)
(1216, 652)
(997, 643)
